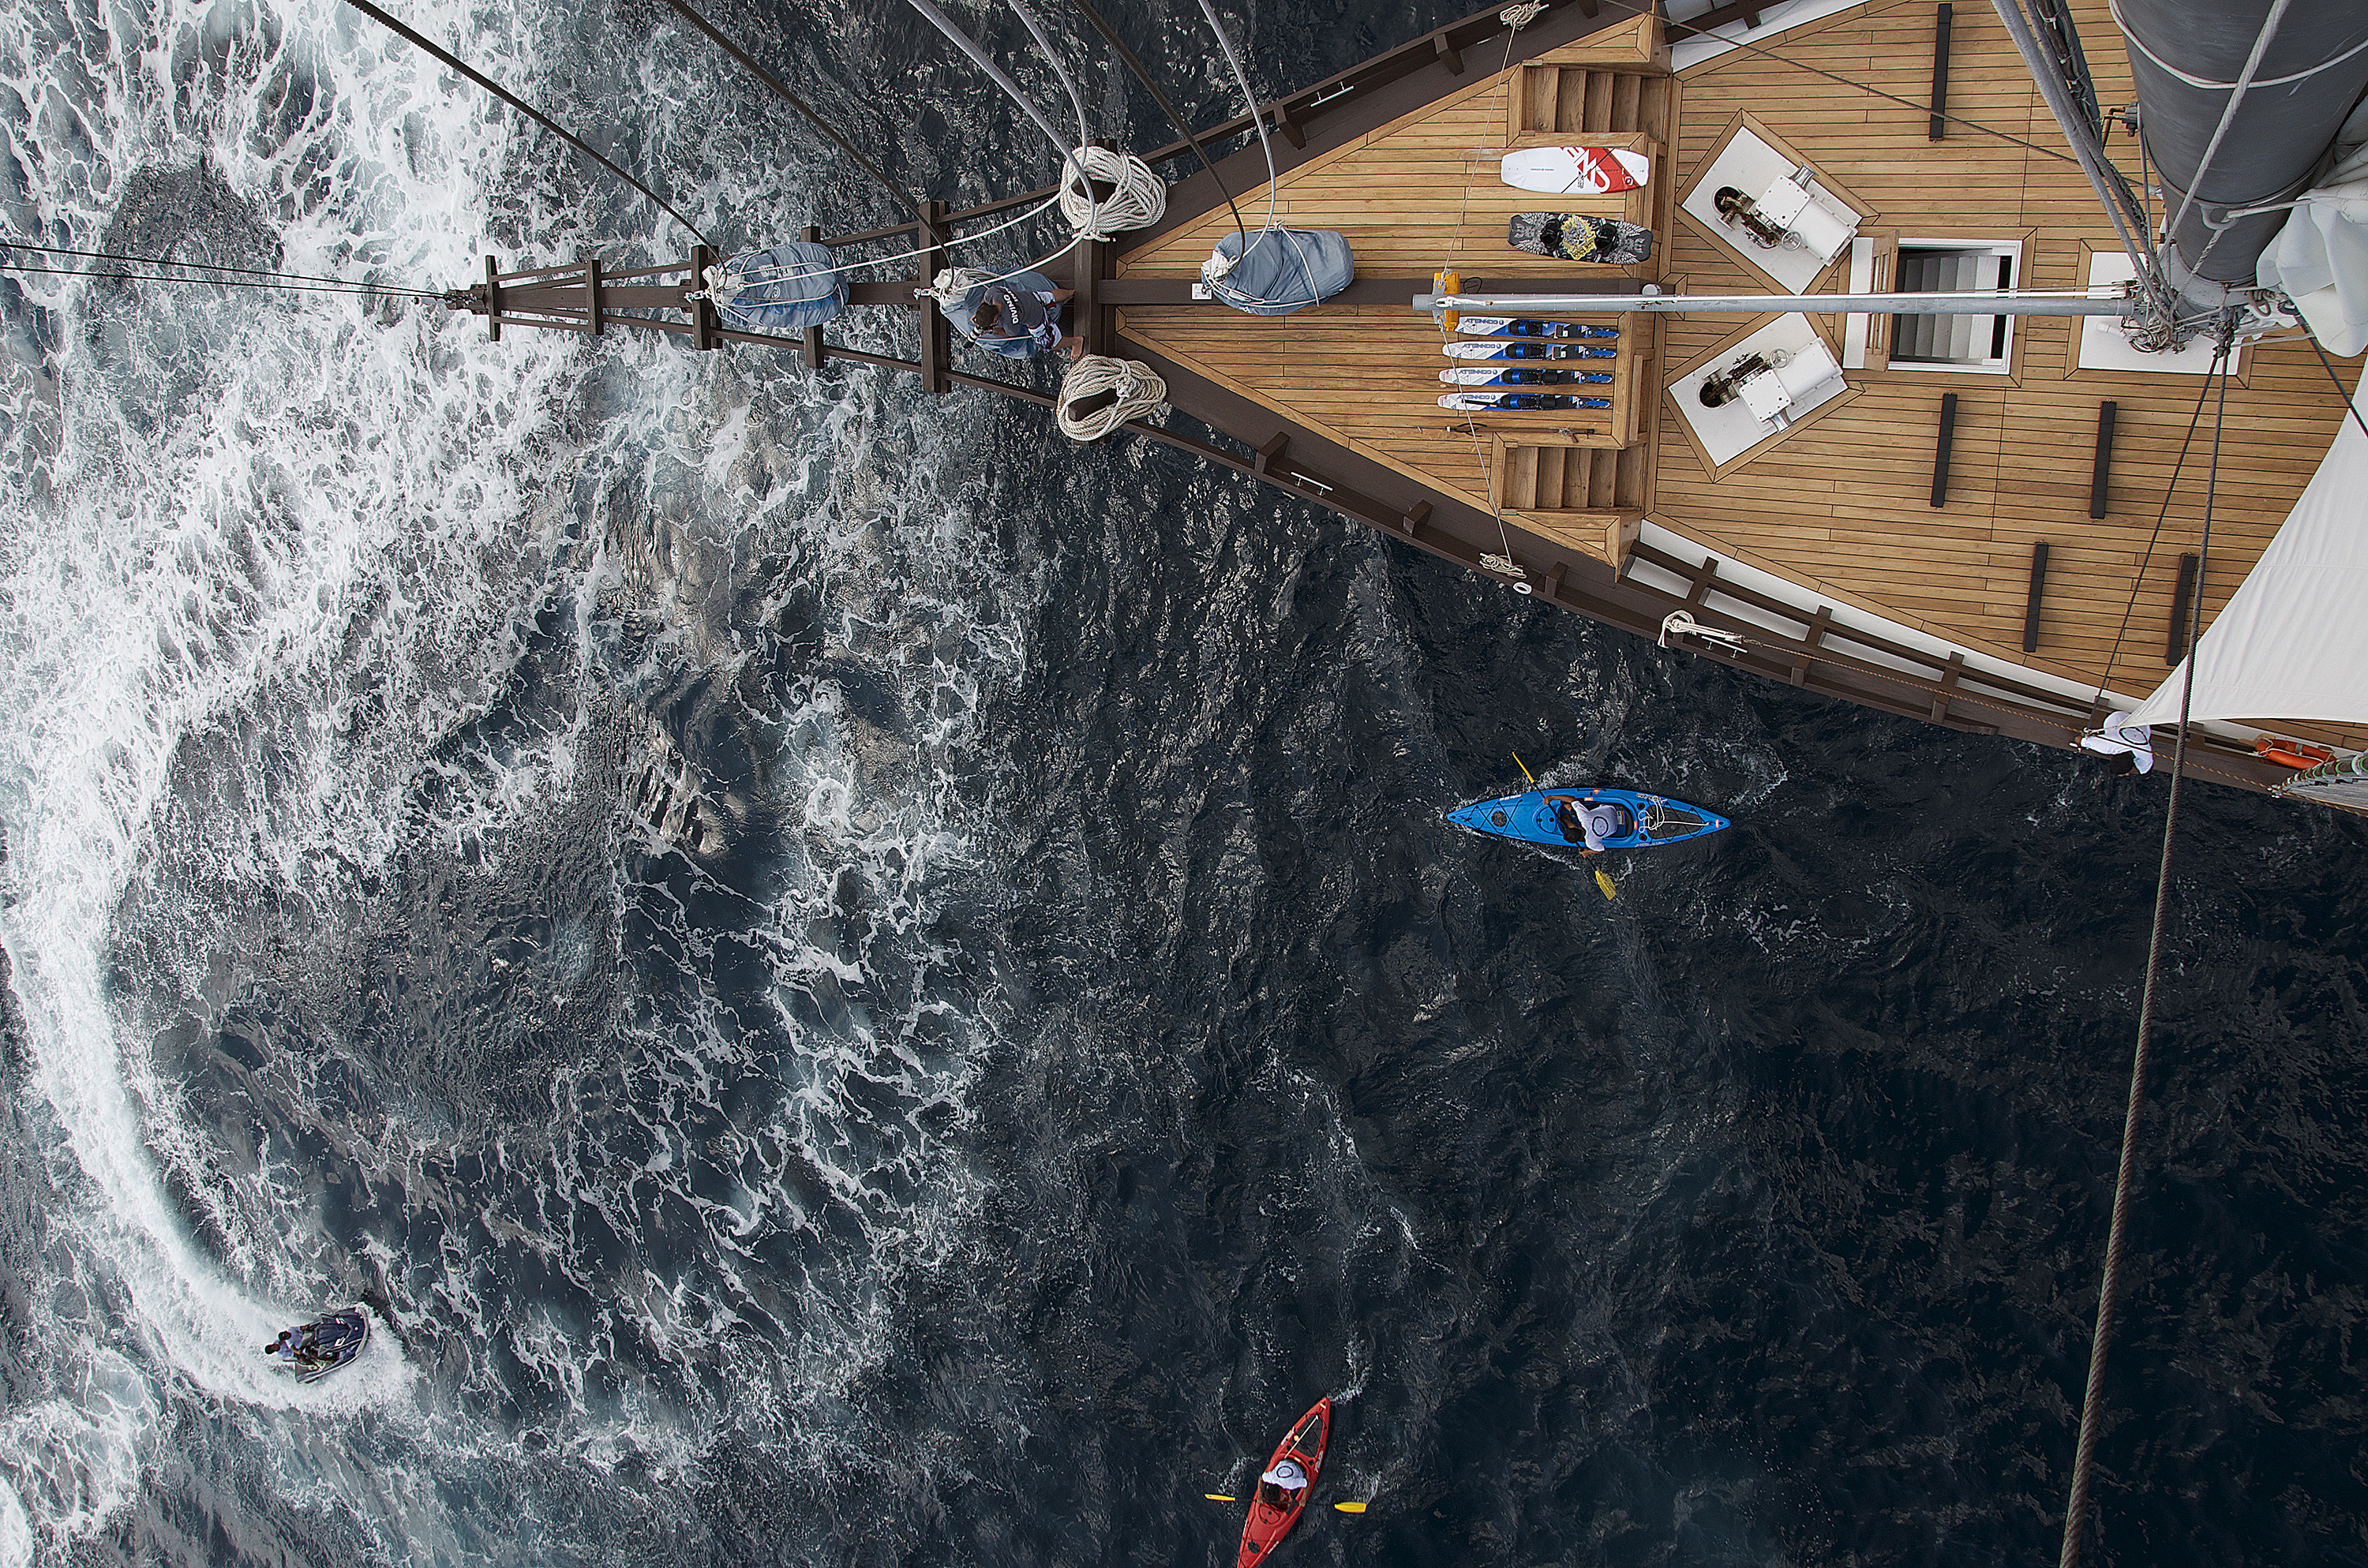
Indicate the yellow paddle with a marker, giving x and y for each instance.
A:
(1602, 880)
(1351, 1507)
(1219, 1497)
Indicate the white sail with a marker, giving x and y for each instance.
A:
(2288, 646)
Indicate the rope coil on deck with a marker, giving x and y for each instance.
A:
(1140, 390)
(1140, 200)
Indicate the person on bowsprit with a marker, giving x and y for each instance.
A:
(1289, 1481)
(1590, 822)
(2129, 747)
(1017, 321)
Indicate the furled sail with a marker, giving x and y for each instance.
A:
(2288, 646)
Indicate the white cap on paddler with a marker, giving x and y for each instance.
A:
(1286, 1474)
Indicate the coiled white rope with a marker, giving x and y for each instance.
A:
(1140, 200)
(1139, 387)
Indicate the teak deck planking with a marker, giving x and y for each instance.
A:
(1840, 505)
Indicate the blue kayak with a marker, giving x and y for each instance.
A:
(1536, 816)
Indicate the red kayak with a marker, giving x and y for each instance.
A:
(1273, 1510)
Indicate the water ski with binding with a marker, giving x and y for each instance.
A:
(1530, 326)
(1481, 403)
(1528, 351)
(1557, 817)
(1523, 376)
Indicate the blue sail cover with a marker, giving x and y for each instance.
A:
(785, 290)
(1284, 270)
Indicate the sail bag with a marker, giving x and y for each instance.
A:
(782, 290)
(1283, 270)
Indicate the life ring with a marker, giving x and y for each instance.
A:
(2290, 754)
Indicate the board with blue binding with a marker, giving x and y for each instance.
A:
(1523, 376)
(1532, 817)
(1524, 327)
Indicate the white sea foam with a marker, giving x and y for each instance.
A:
(308, 536)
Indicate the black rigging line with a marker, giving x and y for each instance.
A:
(216, 282)
(841, 143)
(2169, 489)
(1635, 10)
(1166, 108)
(449, 57)
(2075, 1510)
(290, 279)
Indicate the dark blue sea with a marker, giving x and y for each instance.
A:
(848, 983)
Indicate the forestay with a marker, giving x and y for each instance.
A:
(2287, 645)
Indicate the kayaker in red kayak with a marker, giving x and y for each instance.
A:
(1283, 1488)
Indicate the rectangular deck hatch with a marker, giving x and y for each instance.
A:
(1980, 344)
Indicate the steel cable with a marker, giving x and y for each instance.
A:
(454, 61)
(796, 102)
(2076, 1507)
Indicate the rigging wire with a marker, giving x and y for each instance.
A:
(454, 61)
(1273, 180)
(2169, 493)
(995, 74)
(1052, 58)
(841, 143)
(18, 267)
(1166, 107)
(2075, 1509)
(328, 285)
(1257, 115)
(2111, 187)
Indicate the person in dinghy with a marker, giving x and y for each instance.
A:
(317, 1348)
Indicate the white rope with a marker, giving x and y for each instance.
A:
(953, 285)
(1139, 387)
(1140, 200)
(1678, 623)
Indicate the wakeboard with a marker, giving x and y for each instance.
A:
(1573, 236)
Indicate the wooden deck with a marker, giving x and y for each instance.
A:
(1843, 507)
(1840, 506)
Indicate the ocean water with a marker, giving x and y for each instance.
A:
(851, 984)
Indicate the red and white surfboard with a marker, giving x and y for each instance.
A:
(1566, 170)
